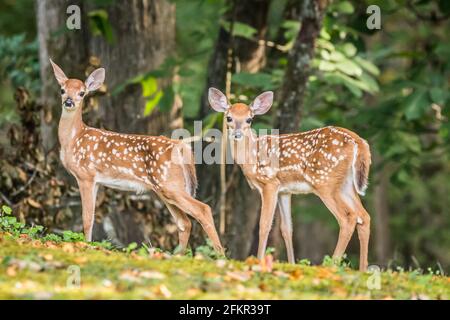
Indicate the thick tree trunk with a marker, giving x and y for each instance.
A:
(144, 35)
(242, 203)
(292, 91)
(69, 48)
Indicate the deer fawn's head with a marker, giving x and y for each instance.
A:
(239, 116)
(73, 91)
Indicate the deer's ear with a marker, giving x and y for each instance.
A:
(217, 100)
(59, 74)
(262, 103)
(95, 79)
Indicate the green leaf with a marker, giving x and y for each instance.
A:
(349, 67)
(349, 83)
(367, 65)
(240, 29)
(370, 83)
(349, 49)
(152, 103)
(438, 96)
(326, 66)
(416, 104)
(6, 209)
(344, 7)
(149, 86)
(258, 80)
(100, 25)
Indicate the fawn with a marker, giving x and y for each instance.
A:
(127, 162)
(331, 162)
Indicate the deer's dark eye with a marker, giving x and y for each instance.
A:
(229, 119)
(63, 91)
(81, 94)
(249, 120)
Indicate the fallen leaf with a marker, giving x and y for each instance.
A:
(238, 275)
(11, 271)
(46, 256)
(80, 260)
(164, 291)
(296, 274)
(152, 275)
(34, 203)
(221, 263)
(251, 261)
(68, 248)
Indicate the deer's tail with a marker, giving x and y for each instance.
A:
(361, 165)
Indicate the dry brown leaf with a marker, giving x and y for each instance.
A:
(80, 260)
(34, 203)
(68, 248)
(152, 275)
(11, 271)
(238, 275)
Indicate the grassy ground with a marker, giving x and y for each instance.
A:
(32, 269)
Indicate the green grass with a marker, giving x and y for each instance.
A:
(32, 269)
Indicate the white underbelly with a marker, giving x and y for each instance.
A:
(296, 188)
(123, 184)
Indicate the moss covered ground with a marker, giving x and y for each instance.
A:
(33, 269)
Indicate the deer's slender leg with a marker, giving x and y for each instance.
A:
(363, 228)
(88, 192)
(269, 197)
(284, 205)
(345, 217)
(199, 211)
(184, 226)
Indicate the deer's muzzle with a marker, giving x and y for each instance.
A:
(69, 103)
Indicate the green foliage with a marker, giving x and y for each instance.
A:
(70, 236)
(10, 224)
(131, 247)
(100, 25)
(207, 251)
(116, 275)
(19, 62)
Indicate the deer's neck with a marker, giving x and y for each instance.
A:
(70, 125)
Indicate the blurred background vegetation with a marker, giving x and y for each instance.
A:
(391, 86)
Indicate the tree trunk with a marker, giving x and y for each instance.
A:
(292, 91)
(69, 49)
(144, 35)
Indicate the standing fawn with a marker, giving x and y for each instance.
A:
(331, 162)
(127, 162)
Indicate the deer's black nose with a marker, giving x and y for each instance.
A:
(69, 102)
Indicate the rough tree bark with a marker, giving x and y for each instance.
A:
(144, 33)
(292, 92)
(68, 49)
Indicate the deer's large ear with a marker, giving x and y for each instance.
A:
(59, 74)
(95, 79)
(262, 103)
(217, 100)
